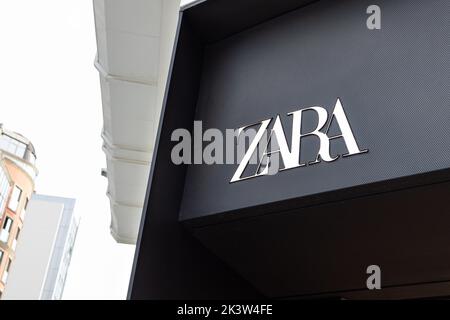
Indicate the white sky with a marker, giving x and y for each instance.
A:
(50, 92)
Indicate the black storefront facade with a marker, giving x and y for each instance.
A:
(313, 230)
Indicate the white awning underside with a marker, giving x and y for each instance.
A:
(134, 42)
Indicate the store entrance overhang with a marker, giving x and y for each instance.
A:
(376, 195)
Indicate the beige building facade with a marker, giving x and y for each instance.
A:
(17, 174)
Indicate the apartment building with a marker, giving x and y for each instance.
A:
(17, 174)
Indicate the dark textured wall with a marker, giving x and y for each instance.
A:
(393, 83)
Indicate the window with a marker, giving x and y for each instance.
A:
(6, 272)
(4, 189)
(14, 244)
(15, 199)
(11, 145)
(25, 207)
(4, 233)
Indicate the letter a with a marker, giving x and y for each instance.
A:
(374, 20)
(346, 130)
(374, 280)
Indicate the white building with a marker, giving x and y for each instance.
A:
(51, 227)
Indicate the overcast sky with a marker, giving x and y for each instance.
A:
(50, 92)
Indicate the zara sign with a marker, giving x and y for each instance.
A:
(291, 156)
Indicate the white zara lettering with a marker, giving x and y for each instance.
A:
(291, 156)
